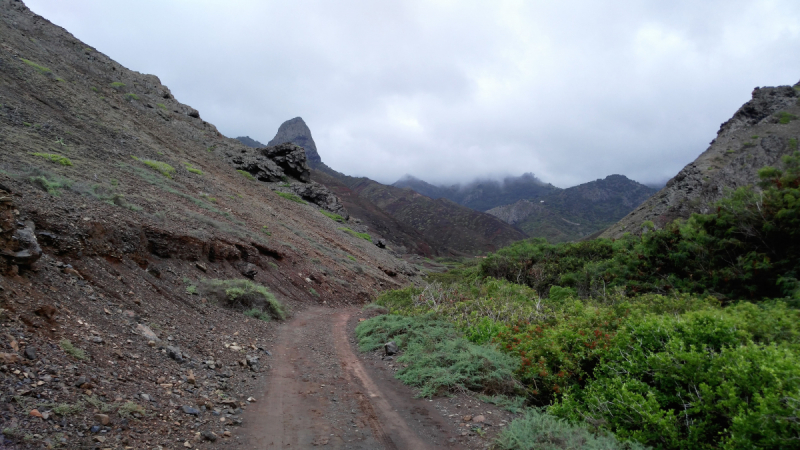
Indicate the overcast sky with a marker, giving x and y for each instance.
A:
(452, 90)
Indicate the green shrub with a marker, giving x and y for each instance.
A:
(131, 96)
(129, 409)
(436, 358)
(335, 217)
(292, 197)
(539, 430)
(364, 236)
(67, 409)
(257, 314)
(793, 144)
(192, 169)
(71, 350)
(63, 160)
(247, 175)
(243, 295)
(785, 117)
(41, 69)
(161, 167)
(117, 85)
(162, 106)
(52, 184)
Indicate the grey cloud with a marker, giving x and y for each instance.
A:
(449, 91)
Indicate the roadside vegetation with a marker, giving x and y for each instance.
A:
(683, 337)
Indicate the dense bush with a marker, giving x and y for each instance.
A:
(538, 430)
(437, 358)
(707, 378)
(747, 249)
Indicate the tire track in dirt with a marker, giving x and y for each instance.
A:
(318, 393)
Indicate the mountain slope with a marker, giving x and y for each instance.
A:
(407, 219)
(250, 142)
(120, 225)
(759, 134)
(576, 212)
(483, 195)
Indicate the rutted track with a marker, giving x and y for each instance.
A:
(318, 393)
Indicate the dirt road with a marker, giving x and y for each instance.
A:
(319, 393)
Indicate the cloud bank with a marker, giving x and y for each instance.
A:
(449, 91)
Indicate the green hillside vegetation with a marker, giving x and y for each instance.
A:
(687, 337)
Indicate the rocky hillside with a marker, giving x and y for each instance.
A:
(250, 142)
(759, 134)
(408, 221)
(131, 247)
(576, 212)
(483, 195)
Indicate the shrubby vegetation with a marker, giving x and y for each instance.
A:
(251, 298)
(685, 337)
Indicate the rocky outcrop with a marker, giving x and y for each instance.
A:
(759, 134)
(516, 212)
(297, 132)
(320, 196)
(250, 142)
(284, 162)
(272, 163)
(18, 244)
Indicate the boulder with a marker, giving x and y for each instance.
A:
(18, 244)
(320, 196)
(273, 164)
(390, 348)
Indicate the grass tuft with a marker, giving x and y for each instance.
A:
(117, 85)
(785, 117)
(63, 160)
(257, 314)
(246, 174)
(161, 167)
(332, 216)
(41, 69)
(364, 236)
(292, 197)
(130, 409)
(131, 96)
(71, 350)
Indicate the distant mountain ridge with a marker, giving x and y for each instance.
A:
(483, 194)
(407, 219)
(576, 212)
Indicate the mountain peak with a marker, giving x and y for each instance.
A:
(297, 132)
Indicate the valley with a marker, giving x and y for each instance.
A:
(164, 286)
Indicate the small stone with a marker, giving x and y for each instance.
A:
(95, 429)
(201, 267)
(102, 418)
(80, 381)
(227, 433)
(390, 348)
(479, 419)
(191, 411)
(466, 418)
(190, 378)
(36, 413)
(209, 436)
(251, 399)
(100, 439)
(30, 352)
(97, 340)
(148, 334)
(187, 444)
(146, 397)
(175, 353)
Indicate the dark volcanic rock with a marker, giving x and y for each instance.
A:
(296, 131)
(290, 158)
(320, 196)
(18, 244)
(273, 163)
